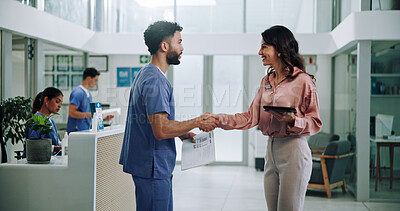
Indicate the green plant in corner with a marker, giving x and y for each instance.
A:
(15, 112)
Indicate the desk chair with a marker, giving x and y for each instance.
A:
(328, 172)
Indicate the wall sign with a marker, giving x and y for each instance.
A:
(144, 59)
(123, 77)
(126, 75)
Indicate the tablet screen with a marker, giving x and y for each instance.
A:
(280, 109)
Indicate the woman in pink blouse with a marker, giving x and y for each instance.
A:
(288, 161)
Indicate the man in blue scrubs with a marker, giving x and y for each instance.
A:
(148, 151)
(79, 115)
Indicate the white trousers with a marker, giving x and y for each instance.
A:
(287, 171)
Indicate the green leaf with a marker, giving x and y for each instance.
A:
(40, 123)
(15, 113)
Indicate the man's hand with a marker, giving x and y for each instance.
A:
(109, 117)
(189, 135)
(207, 122)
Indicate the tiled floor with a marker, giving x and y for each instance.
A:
(237, 188)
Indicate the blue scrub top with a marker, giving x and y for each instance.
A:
(79, 98)
(142, 154)
(29, 133)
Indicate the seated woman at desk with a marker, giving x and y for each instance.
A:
(47, 102)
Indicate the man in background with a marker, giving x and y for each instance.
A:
(79, 115)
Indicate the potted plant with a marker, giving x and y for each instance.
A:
(38, 149)
(14, 113)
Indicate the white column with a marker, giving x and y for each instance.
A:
(39, 62)
(208, 84)
(29, 68)
(6, 64)
(362, 118)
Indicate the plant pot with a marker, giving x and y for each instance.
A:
(38, 151)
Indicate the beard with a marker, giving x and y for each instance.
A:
(173, 58)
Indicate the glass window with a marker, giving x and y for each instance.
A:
(348, 7)
(228, 98)
(210, 16)
(31, 3)
(75, 11)
(136, 16)
(296, 15)
(385, 5)
(188, 89)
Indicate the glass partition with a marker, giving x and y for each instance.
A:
(188, 88)
(385, 120)
(228, 98)
(344, 108)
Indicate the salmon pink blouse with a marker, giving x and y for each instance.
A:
(298, 91)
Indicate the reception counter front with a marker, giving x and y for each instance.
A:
(88, 178)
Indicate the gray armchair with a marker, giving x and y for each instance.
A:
(328, 172)
(322, 139)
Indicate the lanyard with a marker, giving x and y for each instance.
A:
(268, 86)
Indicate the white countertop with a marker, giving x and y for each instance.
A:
(113, 129)
(56, 161)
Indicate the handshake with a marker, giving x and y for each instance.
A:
(207, 122)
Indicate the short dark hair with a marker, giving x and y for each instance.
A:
(158, 32)
(90, 71)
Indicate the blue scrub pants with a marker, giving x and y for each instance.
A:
(153, 194)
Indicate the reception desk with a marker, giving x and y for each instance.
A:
(88, 178)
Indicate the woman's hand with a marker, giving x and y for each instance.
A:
(288, 117)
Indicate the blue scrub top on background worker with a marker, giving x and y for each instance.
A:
(79, 115)
(82, 98)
